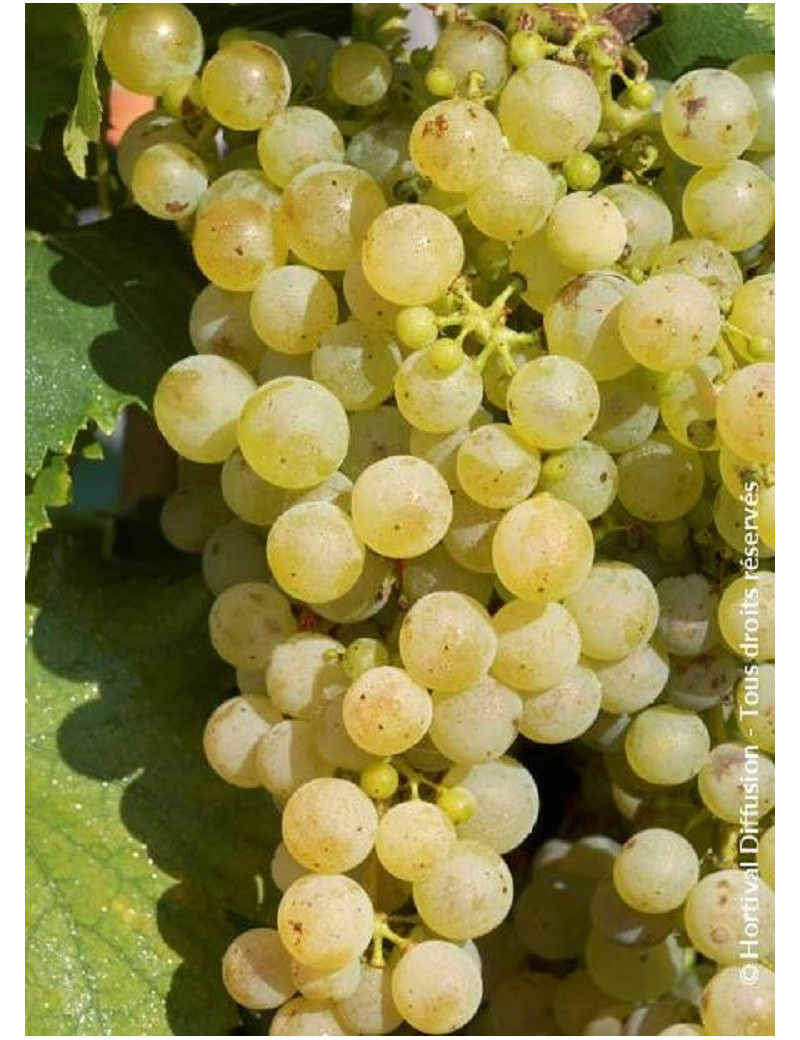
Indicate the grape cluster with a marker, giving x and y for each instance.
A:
(477, 446)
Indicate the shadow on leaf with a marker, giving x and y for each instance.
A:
(140, 638)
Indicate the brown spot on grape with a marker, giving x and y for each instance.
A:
(436, 127)
(691, 106)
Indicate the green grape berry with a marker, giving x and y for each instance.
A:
(581, 171)
(379, 780)
(641, 95)
(363, 654)
(417, 327)
(457, 802)
(447, 355)
(526, 46)
(440, 82)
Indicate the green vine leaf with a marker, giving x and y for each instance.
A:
(107, 310)
(51, 487)
(54, 51)
(693, 35)
(84, 122)
(140, 861)
(762, 13)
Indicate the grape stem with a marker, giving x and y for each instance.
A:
(725, 354)
(381, 933)
(415, 779)
(726, 845)
(487, 323)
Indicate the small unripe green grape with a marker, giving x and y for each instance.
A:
(379, 780)
(456, 802)
(641, 95)
(363, 654)
(581, 171)
(447, 355)
(440, 82)
(417, 327)
(526, 46)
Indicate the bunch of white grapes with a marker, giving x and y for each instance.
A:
(477, 448)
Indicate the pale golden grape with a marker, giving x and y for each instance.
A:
(446, 641)
(197, 403)
(549, 110)
(235, 240)
(291, 307)
(746, 412)
(360, 73)
(457, 144)
(295, 138)
(314, 552)
(257, 970)
(586, 231)
(669, 322)
(734, 204)
(543, 549)
(293, 432)
(385, 712)
(325, 212)
(411, 254)
(168, 181)
(147, 45)
(244, 84)
(515, 201)
(709, 116)
(401, 506)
